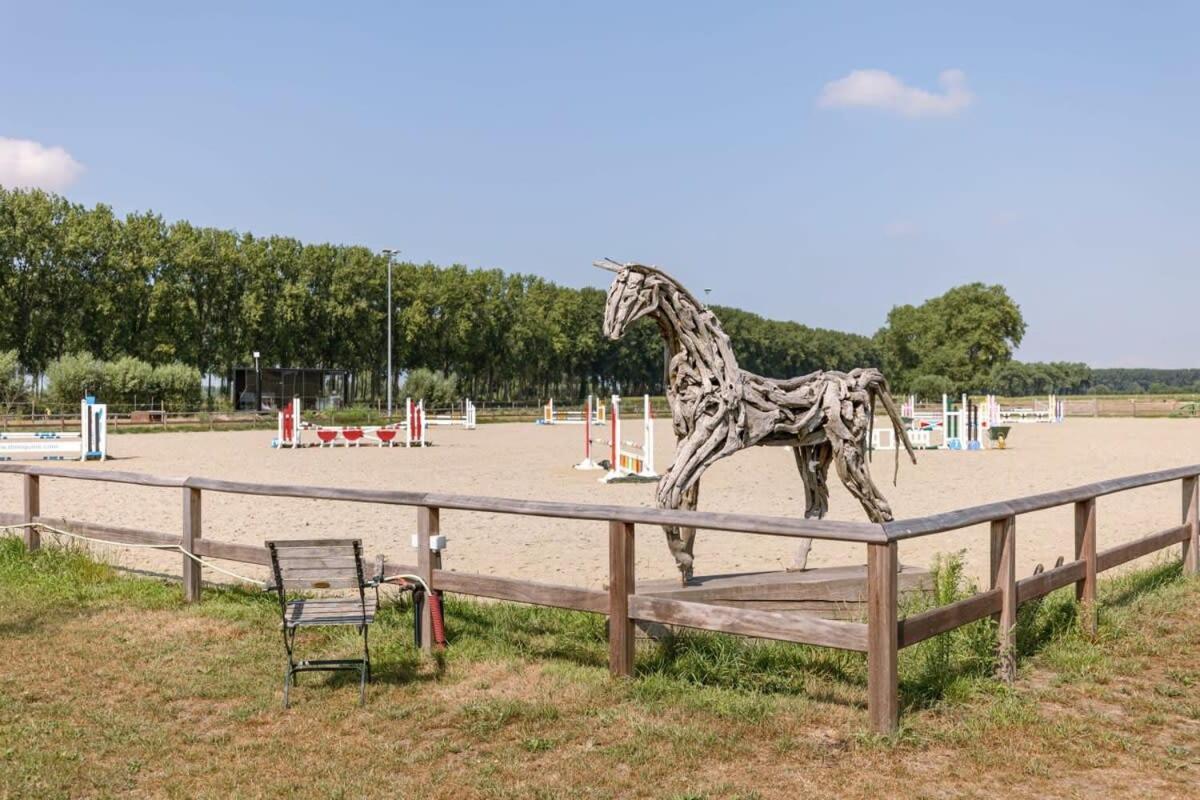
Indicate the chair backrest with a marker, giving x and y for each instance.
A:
(317, 563)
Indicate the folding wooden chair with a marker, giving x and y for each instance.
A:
(304, 564)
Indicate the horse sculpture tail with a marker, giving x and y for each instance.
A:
(877, 387)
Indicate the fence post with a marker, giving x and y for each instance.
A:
(1085, 551)
(1004, 577)
(428, 526)
(883, 702)
(621, 584)
(191, 532)
(1191, 517)
(33, 508)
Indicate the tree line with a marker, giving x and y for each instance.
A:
(77, 280)
(90, 284)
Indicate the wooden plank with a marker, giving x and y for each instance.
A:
(995, 552)
(701, 520)
(318, 582)
(1085, 551)
(349, 563)
(1123, 553)
(191, 532)
(522, 591)
(749, 523)
(109, 533)
(428, 525)
(953, 520)
(845, 584)
(231, 551)
(782, 625)
(706, 520)
(102, 475)
(883, 632)
(335, 605)
(10, 518)
(920, 627)
(346, 550)
(1044, 583)
(32, 508)
(299, 547)
(1005, 580)
(1191, 518)
(348, 610)
(621, 585)
(841, 610)
(305, 573)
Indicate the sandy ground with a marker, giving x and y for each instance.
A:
(532, 461)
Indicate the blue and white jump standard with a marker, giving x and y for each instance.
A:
(90, 443)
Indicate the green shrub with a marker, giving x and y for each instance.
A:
(177, 386)
(127, 380)
(121, 382)
(434, 387)
(73, 376)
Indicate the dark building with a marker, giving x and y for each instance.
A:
(316, 388)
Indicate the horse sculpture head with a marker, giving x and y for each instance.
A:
(634, 294)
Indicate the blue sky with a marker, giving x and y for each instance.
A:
(812, 163)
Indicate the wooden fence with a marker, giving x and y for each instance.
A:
(881, 637)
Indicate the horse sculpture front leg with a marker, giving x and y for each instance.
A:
(813, 463)
(679, 487)
(681, 540)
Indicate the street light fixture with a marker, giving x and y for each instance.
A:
(257, 384)
(389, 253)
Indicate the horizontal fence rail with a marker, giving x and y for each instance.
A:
(880, 637)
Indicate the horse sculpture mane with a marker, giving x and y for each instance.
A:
(717, 408)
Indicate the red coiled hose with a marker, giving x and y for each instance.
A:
(435, 614)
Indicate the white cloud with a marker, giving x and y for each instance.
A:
(875, 88)
(900, 229)
(28, 164)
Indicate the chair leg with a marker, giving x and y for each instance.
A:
(366, 651)
(289, 636)
(365, 670)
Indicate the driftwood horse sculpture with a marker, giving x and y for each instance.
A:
(718, 409)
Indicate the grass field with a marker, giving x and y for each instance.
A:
(110, 686)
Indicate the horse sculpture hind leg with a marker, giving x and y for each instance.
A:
(813, 462)
(852, 469)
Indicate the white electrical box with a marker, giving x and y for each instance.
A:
(437, 543)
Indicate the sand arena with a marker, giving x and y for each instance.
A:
(535, 462)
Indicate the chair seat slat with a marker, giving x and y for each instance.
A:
(348, 611)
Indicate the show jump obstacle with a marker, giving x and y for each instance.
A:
(465, 418)
(90, 443)
(628, 460)
(592, 411)
(963, 427)
(1053, 412)
(412, 428)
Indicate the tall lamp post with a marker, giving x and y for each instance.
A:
(257, 384)
(389, 253)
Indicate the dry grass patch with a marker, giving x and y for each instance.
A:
(109, 687)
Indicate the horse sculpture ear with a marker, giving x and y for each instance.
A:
(609, 264)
